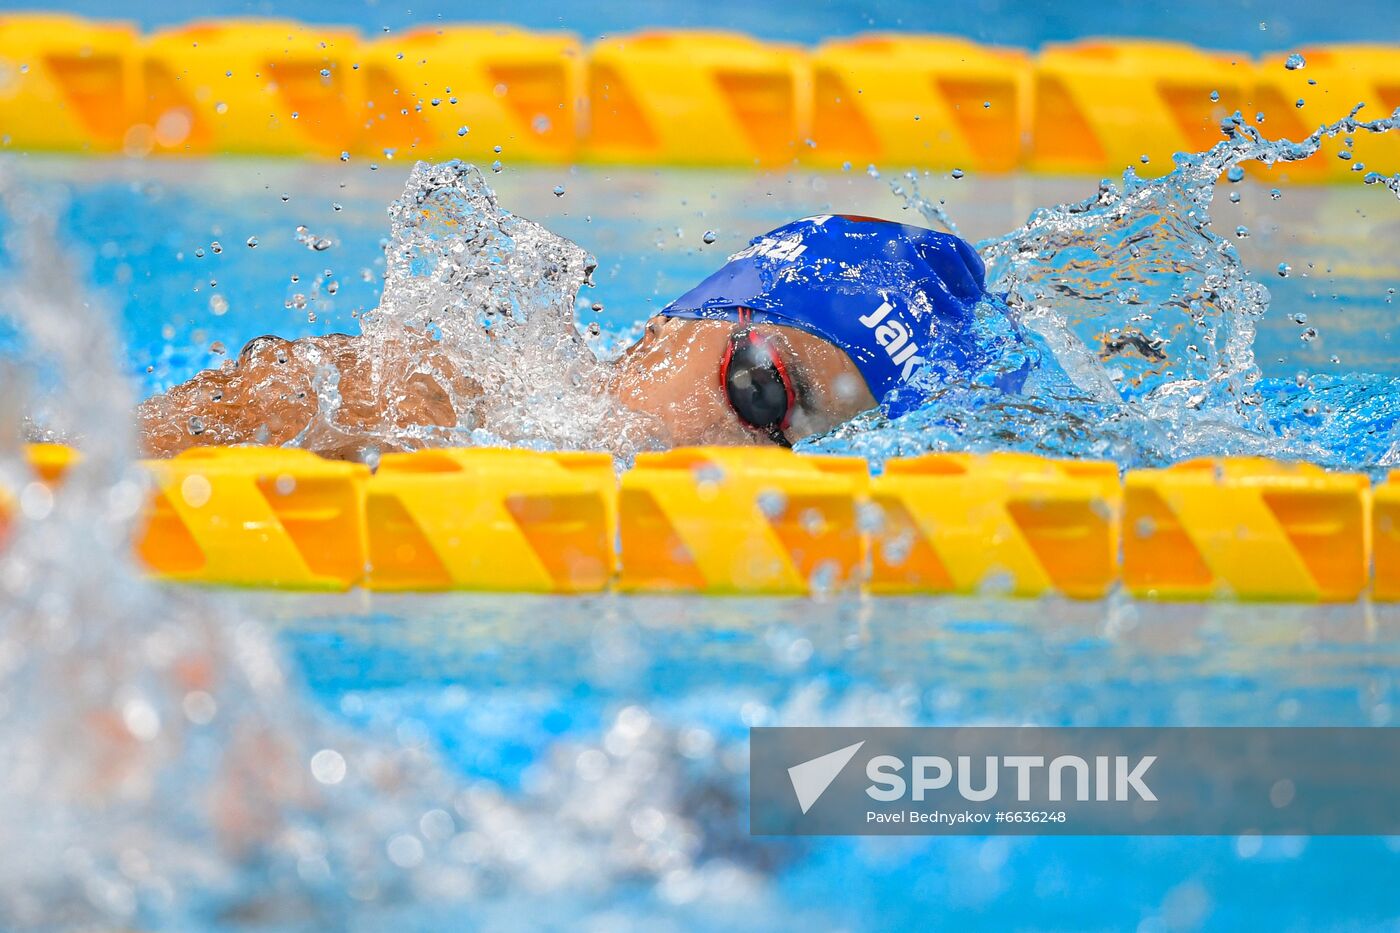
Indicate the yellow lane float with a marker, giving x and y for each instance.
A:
(256, 516)
(746, 520)
(741, 520)
(918, 100)
(1003, 522)
(1101, 106)
(671, 97)
(1386, 524)
(697, 98)
(273, 87)
(1245, 528)
(1329, 82)
(461, 91)
(67, 84)
(509, 520)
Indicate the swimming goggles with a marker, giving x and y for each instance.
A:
(757, 384)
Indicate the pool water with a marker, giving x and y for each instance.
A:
(520, 692)
(146, 233)
(599, 744)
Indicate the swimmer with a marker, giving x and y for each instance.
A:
(810, 325)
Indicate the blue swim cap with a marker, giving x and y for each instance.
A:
(900, 300)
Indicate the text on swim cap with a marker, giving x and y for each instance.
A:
(894, 337)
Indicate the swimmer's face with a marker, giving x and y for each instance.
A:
(673, 374)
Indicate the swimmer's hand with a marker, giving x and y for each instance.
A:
(385, 386)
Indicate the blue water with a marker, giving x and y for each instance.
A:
(499, 684)
(1240, 25)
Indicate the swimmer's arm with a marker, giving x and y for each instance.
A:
(268, 396)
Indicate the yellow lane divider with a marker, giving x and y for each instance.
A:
(668, 97)
(1245, 528)
(1004, 522)
(735, 520)
(758, 521)
(510, 520)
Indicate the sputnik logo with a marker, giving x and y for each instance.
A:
(811, 778)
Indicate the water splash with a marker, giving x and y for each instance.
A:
(1145, 318)
(474, 343)
(164, 770)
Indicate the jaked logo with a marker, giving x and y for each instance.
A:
(894, 337)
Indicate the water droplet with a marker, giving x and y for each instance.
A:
(872, 171)
(252, 242)
(1299, 103)
(1294, 62)
(221, 107)
(199, 253)
(1275, 193)
(296, 115)
(957, 173)
(709, 237)
(1241, 231)
(1300, 317)
(497, 149)
(218, 305)
(1284, 269)
(1344, 155)
(325, 72)
(1214, 96)
(1235, 174)
(558, 191)
(462, 130)
(496, 166)
(1309, 335)
(332, 288)
(216, 247)
(328, 766)
(345, 157)
(1144, 158)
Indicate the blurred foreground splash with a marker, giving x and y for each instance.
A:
(164, 770)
